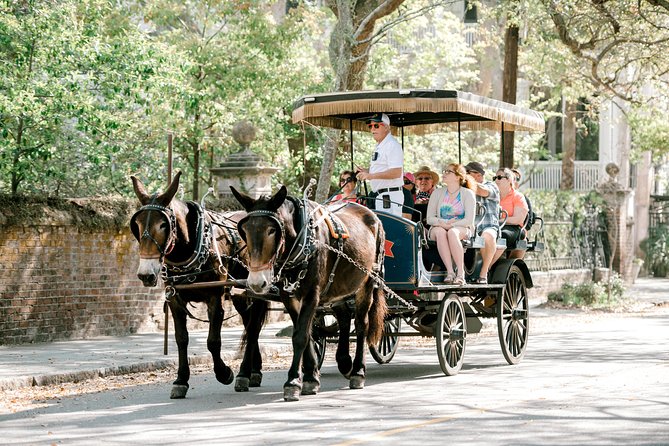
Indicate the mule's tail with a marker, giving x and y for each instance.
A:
(379, 308)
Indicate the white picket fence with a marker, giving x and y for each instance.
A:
(547, 175)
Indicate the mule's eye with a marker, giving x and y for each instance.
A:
(271, 231)
(163, 225)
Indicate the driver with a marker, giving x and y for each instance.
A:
(385, 170)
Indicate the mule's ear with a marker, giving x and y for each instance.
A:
(140, 190)
(278, 198)
(171, 191)
(246, 201)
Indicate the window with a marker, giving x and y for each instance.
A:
(471, 14)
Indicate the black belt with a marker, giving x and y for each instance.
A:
(389, 189)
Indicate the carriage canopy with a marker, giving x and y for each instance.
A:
(416, 111)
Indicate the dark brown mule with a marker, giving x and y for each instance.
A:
(287, 241)
(183, 243)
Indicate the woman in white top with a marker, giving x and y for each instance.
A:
(450, 215)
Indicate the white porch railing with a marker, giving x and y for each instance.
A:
(547, 175)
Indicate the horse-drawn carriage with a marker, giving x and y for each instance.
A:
(345, 262)
(418, 296)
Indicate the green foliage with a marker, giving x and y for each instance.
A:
(656, 248)
(590, 294)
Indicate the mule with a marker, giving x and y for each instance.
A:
(183, 243)
(287, 241)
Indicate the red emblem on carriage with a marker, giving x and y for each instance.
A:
(388, 248)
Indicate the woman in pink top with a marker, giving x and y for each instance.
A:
(450, 214)
(513, 202)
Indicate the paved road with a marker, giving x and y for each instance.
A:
(586, 379)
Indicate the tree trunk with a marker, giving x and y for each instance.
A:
(509, 88)
(196, 170)
(568, 146)
(349, 54)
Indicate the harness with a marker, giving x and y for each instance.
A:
(296, 262)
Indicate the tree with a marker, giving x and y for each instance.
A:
(239, 64)
(71, 96)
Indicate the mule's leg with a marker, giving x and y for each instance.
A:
(180, 385)
(223, 373)
(302, 316)
(250, 374)
(311, 382)
(362, 305)
(343, 356)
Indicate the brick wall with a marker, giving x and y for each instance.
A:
(60, 282)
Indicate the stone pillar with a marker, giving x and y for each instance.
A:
(244, 170)
(619, 211)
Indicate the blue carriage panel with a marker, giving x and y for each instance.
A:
(402, 263)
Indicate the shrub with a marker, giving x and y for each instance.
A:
(656, 248)
(592, 294)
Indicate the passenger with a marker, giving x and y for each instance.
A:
(348, 184)
(410, 183)
(515, 205)
(450, 213)
(487, 194)
(385, 170)
(426, 180)
(529, 220)
(409, 193)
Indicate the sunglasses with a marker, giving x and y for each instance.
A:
(374, 125)
(423, 178)
(447, 171)
(499, 177)
(345, 180)
(407, 182)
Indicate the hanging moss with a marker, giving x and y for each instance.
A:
(84, 213)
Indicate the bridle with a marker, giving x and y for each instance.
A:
(169, 216)
(274, 216)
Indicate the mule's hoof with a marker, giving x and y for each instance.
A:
(178, 391)
(291, 393)
(242, 384)
(311, 388)
(256, 379)
(356, 382)
(226, 378)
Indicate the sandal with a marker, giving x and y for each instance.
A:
(460, 281)
(481, 281)
(449, 279)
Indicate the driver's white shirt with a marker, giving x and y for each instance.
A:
(390, 155)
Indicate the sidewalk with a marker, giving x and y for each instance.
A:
(69, 361)
(76, 360)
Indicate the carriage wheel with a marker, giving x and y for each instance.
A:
(384, 351)
(513, 314)
(451, 334)
(320, 344)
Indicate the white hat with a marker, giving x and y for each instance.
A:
(380, 117)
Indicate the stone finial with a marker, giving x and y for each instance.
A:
(612, 170)
(244, 133)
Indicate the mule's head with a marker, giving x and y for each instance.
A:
(264, 231)
(154, 226)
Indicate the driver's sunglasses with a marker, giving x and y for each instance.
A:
(344, 180)
(374, 125)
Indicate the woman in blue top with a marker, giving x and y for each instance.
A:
(450, 214)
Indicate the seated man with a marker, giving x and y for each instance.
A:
(515, 205)
(487, 195)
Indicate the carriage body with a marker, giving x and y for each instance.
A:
(418, 295)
